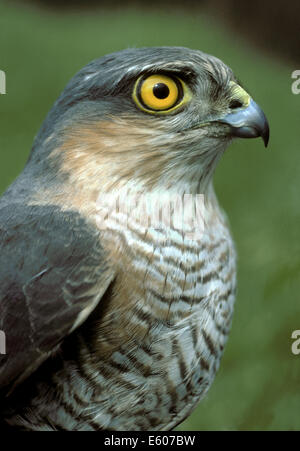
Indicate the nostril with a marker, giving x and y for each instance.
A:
(235, 104)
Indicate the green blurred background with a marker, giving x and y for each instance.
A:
(41, 48)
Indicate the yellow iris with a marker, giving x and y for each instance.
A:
(159, 93)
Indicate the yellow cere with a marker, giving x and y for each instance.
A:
(240, 94)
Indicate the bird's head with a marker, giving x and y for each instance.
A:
(150, 117)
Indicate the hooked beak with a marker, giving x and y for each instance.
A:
(249, 122)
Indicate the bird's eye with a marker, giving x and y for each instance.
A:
(159, 93)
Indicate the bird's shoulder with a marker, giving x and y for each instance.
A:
(53, 272)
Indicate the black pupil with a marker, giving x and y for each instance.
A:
(161, 91)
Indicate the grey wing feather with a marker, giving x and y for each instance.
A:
(53, 273)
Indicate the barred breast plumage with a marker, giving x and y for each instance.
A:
(180, 294)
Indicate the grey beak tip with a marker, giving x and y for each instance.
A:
(266, 140)
(266, 133)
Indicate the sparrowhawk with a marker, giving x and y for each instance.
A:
(121, 326)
